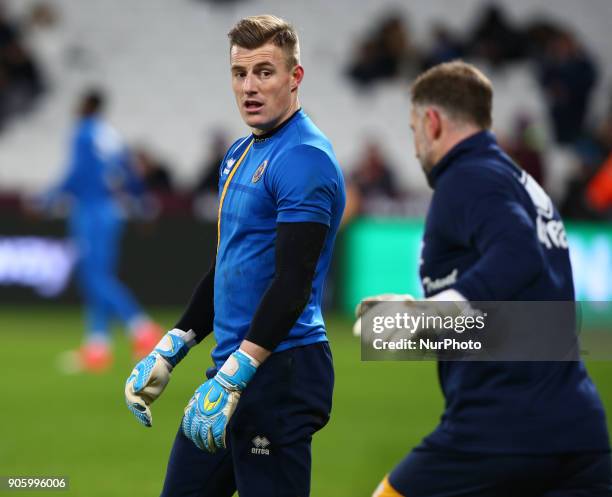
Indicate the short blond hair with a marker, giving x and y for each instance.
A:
(255, 31)
(458, 88)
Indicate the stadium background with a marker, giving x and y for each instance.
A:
(165, 69)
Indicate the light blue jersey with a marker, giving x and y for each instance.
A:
(289, 176)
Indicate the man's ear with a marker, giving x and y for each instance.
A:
(297, 75)
(433, 123)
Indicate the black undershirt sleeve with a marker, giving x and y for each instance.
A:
(298, 246)
(200, 313)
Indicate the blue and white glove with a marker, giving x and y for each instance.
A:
(151, 375)
(213, 403)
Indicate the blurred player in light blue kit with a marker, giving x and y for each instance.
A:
(98, 172)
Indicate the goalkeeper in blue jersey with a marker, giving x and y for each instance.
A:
(492, 234)
(281, 198)
(98, 174)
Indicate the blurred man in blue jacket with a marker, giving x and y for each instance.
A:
(492, 234)
(98, 173)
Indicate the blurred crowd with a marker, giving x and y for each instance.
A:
(21, 79)
(562, 66)
(565, 70)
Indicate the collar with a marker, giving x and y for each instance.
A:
(269, 134)
(477, 141)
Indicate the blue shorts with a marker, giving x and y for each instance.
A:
(430, 471)
(269, 435)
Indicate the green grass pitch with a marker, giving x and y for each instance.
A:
(78, 426)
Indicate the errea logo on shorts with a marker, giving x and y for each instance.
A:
(260, 446)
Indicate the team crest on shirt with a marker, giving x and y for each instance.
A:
(259, 172)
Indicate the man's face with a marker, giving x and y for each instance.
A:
(422, 145)
(264, 87)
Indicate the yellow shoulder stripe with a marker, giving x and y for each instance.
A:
(227, 182)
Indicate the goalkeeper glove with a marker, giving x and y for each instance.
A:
(446, 303)
(213, 403)
(386, 297)
(151, 375)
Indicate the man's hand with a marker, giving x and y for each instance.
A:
(212, 405)
(151, 375)
(386, 297)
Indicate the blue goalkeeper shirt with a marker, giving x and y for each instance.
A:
(288, 176)
(493, 234)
